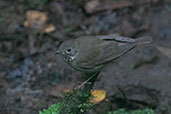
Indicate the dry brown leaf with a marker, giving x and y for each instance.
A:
(98, 96)
(49, 28)
(33, 15)
(35, 20)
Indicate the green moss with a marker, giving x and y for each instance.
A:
(53, 109)
(75, 102)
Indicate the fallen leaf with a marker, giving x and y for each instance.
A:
(49, 28)
(35, 20)
(97, 96)
(34, 15)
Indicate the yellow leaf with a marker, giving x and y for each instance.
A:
(98, 96)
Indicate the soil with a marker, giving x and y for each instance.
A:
(137, 80)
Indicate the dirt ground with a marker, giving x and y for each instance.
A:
(31, 82)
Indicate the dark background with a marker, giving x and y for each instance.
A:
(31, 82)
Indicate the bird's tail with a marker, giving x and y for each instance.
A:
(142, 41)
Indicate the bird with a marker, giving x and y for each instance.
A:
(89, 54)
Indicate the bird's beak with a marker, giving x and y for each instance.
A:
(57, 52)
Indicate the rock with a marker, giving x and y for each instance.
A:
(23, 71)
(96, 6)
(105, 22)
(138, 97)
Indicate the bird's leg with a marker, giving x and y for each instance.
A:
(82, 84)
(90, 81)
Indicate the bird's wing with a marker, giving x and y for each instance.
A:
(102, 53)
(113, 50)
(102, 49)
(88, 52)
(114, 46)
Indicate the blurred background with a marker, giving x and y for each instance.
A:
(32, 77)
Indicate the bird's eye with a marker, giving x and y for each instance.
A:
(68, 50)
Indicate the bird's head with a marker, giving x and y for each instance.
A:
(68, 50)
